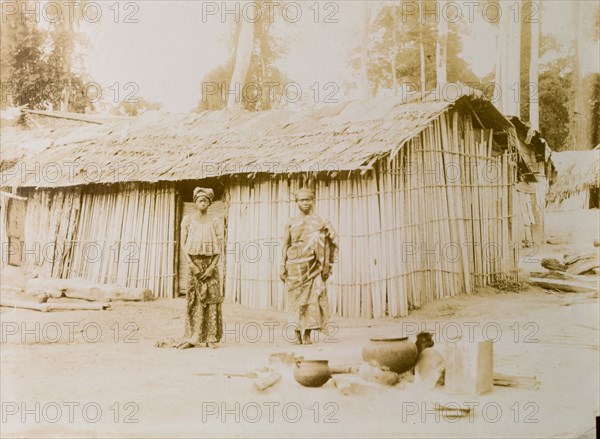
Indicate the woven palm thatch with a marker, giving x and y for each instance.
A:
(577, 171)
(162, 147)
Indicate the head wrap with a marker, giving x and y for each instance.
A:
(204, 192)
(304, 193)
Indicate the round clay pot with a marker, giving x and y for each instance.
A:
(312, 373)
(396, 354)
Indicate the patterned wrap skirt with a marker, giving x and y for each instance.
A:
(204, 318)
(308, 303)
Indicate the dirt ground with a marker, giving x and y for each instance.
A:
(98, 374)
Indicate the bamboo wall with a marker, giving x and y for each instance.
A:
(50, 226)
(108, 234)
(257, 213)
(127, 236)
(433, 221)
(451, 214)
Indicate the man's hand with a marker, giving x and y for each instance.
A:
(283, 275)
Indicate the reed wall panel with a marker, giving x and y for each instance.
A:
(50, 228)
(126, 236)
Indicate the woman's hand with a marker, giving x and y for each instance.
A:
(326, 272)
(195, 269)
(208, 273)
(283, 275)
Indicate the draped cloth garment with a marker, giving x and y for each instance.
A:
(313, 245)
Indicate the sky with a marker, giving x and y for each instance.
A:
(161, 50)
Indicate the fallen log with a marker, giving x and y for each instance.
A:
(570, 286)
(571, 258)
(87, 290)
(582, 265)
(45, 307)
(522, 382)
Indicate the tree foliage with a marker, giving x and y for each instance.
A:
(554, 98)
(37, 62)
(394, 40)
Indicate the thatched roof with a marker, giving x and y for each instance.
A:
(162, 147)
(577, 171)
(26, 133)
(20, 144)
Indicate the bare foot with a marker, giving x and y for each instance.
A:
(298, 338)
(185, 345)
(306, 339)
(212, 345)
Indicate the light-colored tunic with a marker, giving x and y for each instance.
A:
(201, 239)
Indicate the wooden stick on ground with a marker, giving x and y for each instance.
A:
(45, 307)
(523, 382)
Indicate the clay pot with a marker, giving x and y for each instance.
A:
(396, 354)
(312, 373)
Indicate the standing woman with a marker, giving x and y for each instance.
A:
(309, 252)
(201, 238)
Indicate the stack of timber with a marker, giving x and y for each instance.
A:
(578, 272)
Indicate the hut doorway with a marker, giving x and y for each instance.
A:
(218, 209)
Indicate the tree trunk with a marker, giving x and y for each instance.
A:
(421, 47)
(440, 49)
(243, 55)
(534, 106)
(580, 114)
(508, 60)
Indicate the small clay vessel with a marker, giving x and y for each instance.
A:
(312, 373)
(396, 354)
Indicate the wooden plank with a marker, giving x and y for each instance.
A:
(45, 307)
(522, 382)
(570, 286)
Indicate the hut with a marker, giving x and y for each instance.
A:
(421, 194)
(532, 186)
(25, 134)
(576, 183)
